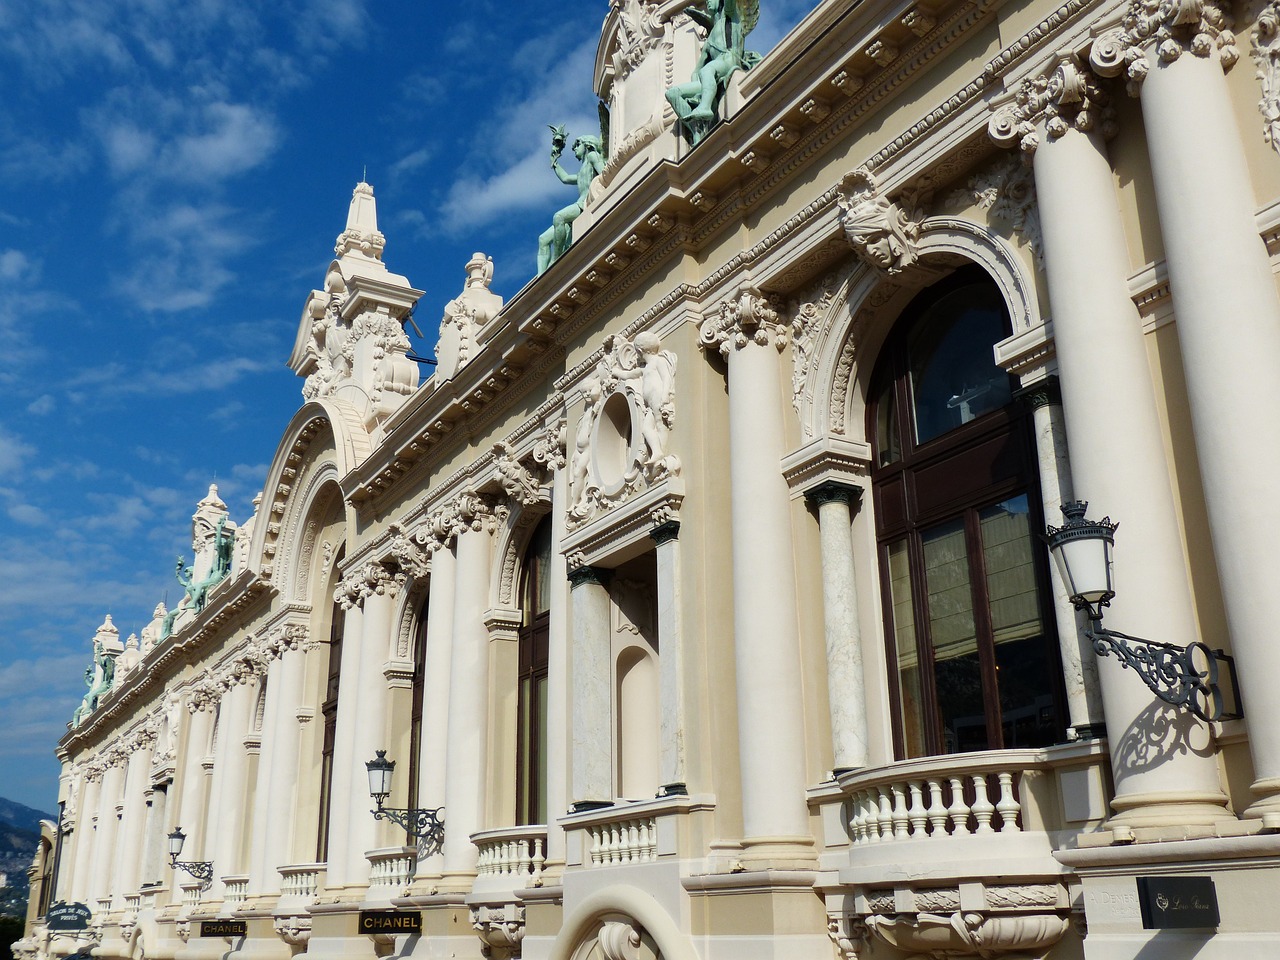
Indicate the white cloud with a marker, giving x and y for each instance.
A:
(16, 265)
(42, 405)
(13, 452)
(28, 515)
(236, 138)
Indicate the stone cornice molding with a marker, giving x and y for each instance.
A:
(748, 317)
(1068, 97)
(1165, 30)
(827, 460)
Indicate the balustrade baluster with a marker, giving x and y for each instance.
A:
(537, 861)
(937, 809)
(1008, 805)
(899, 811)
(885, 814)
(917, 813)
(959, 810)
(983, 808)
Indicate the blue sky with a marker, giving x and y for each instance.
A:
(174, 178)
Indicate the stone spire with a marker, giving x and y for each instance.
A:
(362, 237)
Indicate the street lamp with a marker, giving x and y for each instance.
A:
(201, 870)
(1180, 676)
(422, 824)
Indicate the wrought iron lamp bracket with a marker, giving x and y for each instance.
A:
(201, 870)
(1186, 677)
(422, 824)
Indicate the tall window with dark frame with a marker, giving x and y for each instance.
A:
(329, 710)
(972, 657)
(531, 746)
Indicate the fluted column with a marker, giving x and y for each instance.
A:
(363, 832)
(1118, 456)
(466, 763)
(434, 743)
(1228, 325)
(771, 748)
(590, 667)
(846, 691)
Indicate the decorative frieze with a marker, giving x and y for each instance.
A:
(880, 231)
(1165, 29)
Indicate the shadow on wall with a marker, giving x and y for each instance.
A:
(1160, 733)
(1171, 945)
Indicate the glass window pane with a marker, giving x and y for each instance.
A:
(1023, 661)
(957, 666)
(954, 377)
(888, 440)
(904, 636)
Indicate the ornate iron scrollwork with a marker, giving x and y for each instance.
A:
(422, 824)
(1182, 676)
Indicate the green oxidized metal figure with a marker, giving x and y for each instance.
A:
(727, 23)
(555, 239)
(197, 591)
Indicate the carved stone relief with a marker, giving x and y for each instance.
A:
(881, 232)
(1007, 191)
(1166, 29)
(1068, 97)
(620, 446)
(1266, 58)
(807, 316)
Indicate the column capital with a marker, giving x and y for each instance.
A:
(665, 532)
(748, 317)
(830, 491)
(1042, 393)
(1068, 97)
(587, 574)
(1164, 29)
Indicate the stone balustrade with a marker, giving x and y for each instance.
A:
(301, 880)
(512, 856)
(624, 840)
(132, 902)
(191, 893)
(391, 870)
(235, 890)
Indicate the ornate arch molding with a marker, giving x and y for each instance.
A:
(585, 920)
(411, 600)
(352, 446)
(308, 513)
(853, 321)
(513, 538)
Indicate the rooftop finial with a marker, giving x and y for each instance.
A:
(361, 236)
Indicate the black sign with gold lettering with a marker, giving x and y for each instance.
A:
(1177, 902)
(390, 921)
(223, 928)
(68, 916)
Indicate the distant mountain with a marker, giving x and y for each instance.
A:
(14, 814)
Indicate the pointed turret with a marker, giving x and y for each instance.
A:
(361, 238)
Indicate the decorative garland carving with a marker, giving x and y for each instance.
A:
(807, 317)
(1167, 29)
(1007, 191)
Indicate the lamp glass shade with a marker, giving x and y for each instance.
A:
(1082, 550)
(176, 840)
(380, 770)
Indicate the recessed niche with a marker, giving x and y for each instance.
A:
(613, 456)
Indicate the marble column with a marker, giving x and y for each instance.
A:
(346, 764)
(1228, 325)
(466, 763)
(591, 673)
(262, 824)
(1119, 464)
(846, 692)
(1079, 662)
(749, 333)
(434, 743)
(558, 686)
(155, 848)
(363, 833)
(86, 837)
(192, 801)
(671, 722)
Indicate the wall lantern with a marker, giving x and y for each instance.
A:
(199, 869)
(1181, 676)
(421, 824)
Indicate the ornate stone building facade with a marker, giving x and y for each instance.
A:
(702, 584)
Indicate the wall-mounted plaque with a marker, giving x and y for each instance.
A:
(224, 928)
(1178, 903)
(67, 916)
(390, 921)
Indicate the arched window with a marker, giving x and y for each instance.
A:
(415, 718)
(973, 665)
(531, 748)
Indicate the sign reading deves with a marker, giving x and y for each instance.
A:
(390, 921)
(224, 928)
(67, 916)
(1177, 902)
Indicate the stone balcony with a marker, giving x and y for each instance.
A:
(942, 855)
(391, 871)
(633, 834)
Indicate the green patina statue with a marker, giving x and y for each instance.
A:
(727, 23)
(197, 591)
(98, 678)
(555, 239)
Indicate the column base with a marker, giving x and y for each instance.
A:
(1267, 807)
(459, 882)
(778, 853)
(1142, 810)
